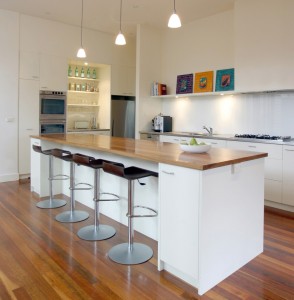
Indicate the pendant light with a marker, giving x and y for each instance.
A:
(174, 20)
(120, 39)
(81, 52)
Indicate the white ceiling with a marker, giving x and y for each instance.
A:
(103, 15)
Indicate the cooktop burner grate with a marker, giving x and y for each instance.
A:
(263, 137)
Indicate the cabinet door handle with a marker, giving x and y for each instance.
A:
(289, 150)
(251, 146)
(168, 173)
(214, 143)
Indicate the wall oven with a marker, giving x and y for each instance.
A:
(52, 112)
(53, 126)
(52, 105)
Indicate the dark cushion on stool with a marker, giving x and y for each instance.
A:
(129, 173)
(89, 161)
(39, 150)
(62, 154)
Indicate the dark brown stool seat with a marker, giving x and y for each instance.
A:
(52, 202)
(131, 253)
(97, 231)
(72, 215)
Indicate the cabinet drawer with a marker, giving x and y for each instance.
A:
(273, 190)
(274, 151)
(214, 143)
(174, 139)
(149, 136)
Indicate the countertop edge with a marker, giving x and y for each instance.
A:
(191, 161)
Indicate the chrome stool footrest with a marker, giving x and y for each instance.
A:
(89, 187)
(116, 197)
(155, 213)
(59, 177)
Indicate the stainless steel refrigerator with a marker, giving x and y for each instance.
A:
(123, 116)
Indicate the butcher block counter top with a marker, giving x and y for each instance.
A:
(154, 151)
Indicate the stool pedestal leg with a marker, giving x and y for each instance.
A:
(51, 202)
(96, 232)
(72, 215)
(130, 253)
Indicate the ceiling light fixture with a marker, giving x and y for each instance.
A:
(174, 20)
(81, 52)
(120, 39)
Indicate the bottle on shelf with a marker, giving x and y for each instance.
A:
(94, 76)
(88, 73)
(82, 73)
(77, 72)
(69, 72)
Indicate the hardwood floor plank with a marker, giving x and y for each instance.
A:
(43, 259)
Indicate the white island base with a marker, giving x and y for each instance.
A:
(210, 222)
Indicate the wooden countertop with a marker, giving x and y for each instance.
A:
(154, 151)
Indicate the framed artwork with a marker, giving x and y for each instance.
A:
(203, 82)
(225, 80)
(185, 84)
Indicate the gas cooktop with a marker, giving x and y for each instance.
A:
(263, 137)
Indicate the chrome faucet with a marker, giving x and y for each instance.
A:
(210, 130)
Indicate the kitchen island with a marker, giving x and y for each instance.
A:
(210, 205)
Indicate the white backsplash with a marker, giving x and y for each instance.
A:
(262, 113)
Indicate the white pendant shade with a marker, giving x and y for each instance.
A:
(120, 39)
(81, 53)
(174, 21)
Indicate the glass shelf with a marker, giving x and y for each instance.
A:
(83, 78)
(83, 92)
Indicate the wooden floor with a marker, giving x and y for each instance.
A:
(41, 258)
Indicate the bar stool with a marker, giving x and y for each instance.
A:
(96, 232)
(72, 215)
(51, 202)
(131, 253)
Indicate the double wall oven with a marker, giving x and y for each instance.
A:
(52, 112)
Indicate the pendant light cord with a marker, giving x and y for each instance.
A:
(82, 23)
(174, 6)
(120, 15)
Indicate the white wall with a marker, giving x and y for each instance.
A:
(264, 45)
(147, 70)
(251, 113)
(9, 57)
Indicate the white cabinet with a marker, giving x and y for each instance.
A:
(28, 121)
(29, 65)
(149, 136)
(53, 72)
(214, 142)
(123, 80)
(179, 196)
(173, 139)
(288, 175)
(273, 166)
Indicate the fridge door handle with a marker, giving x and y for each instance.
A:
(112, 127)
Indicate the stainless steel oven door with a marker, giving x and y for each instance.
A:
(52, 105)
(53, 126)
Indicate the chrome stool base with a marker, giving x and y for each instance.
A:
(72, 216)
(53, 203)
(139, 254)
(96, 233)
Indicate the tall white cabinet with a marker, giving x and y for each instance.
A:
(28, 121)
